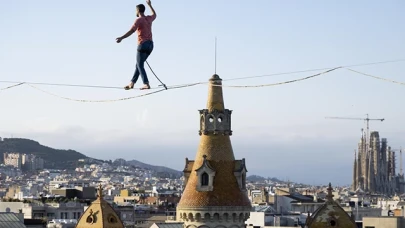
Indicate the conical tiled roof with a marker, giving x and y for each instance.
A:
(215, 153)
(100, 214)
(215, 99)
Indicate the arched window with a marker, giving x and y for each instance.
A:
(205, 175)
(226, 217)
(216, 217)
(204, 179)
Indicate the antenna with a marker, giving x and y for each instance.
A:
(215, 55)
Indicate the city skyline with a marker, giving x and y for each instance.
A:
(279, 130)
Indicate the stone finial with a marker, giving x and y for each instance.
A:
(100, 191)
(215, 77)
(330, 196)
(186, 163)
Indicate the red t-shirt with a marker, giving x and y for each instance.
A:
(143, 26)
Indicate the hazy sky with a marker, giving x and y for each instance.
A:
(281, 131)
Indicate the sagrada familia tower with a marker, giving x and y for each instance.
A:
(374, 169)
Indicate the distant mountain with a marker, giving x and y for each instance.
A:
(256, 178)
(53, 158)
(161, 171)
(68, 159)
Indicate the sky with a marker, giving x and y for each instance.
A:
(281, 131)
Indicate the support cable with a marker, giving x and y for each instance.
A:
(281, 83)
(158, 89)
(372, 76)
(176, 87)
(230, 79)
(12, 86)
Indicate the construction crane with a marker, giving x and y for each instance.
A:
(365, 119)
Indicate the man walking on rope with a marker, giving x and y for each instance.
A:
(143, 25)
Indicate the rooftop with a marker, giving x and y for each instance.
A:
(10, 220)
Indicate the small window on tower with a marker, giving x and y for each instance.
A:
(220, 119)
(205, 175)
(243, 180)
(204, 179)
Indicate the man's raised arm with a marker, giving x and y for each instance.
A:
(151, 7)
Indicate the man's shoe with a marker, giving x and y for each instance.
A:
(128, 87)
(145, 86)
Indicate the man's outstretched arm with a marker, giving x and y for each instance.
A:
(125, 35)
(119, 39)
(151, 7)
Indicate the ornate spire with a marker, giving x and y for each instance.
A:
(212, 181)
(215, 119)
(215, 97)
(355, 174)
(215, 126)
(330, 196)
(215, 189)
(100, 192)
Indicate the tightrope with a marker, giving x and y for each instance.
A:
(229, 79)
(109, 100)
(12, 86)
(197, 83)
(94, 101)
(281, 83)
(177, 87)
(372, 76)
(159, 88)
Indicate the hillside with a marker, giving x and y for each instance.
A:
(256, 178)
(160, 170)
(68, 159)
(54, 158)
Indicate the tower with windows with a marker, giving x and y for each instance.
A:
(215, 183)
